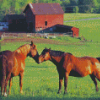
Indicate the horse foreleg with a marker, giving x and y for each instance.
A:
(65, 82)
(10, 84)
(60, 82)
(95, 82)
(20, 82)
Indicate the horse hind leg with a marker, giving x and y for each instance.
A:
(95, 82)
(10, 84)
(21, 83)
(3, 74)
(2, 85)
(6, 82)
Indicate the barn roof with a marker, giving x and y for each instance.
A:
(13, 17)
(45, 8)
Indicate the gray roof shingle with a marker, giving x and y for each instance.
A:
(45, 8)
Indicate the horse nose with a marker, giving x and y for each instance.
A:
(39, 62)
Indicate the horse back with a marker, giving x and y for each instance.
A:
(9, 59)
(82, 65)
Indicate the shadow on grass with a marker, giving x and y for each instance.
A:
(21, 97)
(38, 66)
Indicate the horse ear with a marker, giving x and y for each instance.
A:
(49, 49)
(32, 43)
(35, 47)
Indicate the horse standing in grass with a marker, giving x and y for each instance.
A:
(13, 64)
(69, 65)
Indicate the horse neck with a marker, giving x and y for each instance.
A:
(23, 51)
(56, 59)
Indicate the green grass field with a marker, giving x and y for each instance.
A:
(90, 29)
(41, 80)
(75, 16)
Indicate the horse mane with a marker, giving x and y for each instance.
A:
(24, 49)
(56, 53)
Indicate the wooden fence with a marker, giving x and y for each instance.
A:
(26, 35)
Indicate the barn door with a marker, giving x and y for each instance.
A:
(30, 26)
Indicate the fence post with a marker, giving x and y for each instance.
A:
(0, 44)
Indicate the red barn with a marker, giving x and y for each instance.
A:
(70, 30)
(40, 16)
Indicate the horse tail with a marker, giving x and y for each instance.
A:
(3, 71)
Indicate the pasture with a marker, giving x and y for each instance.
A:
(87, 28)
(41, 82)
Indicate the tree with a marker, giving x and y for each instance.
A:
(86, 5)
(75, 9)
(73, 2)
(64, 4)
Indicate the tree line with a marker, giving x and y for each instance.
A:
(69, 6)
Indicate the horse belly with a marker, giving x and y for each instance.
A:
(15, 72)
(75, 74)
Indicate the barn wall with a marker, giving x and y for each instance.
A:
(75, 32)
(51, 21)
(30, 18)
(29, 15)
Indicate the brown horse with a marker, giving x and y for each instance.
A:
(69, 65)
(13, 64)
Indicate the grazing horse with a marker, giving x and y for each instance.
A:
(13, 64)
(69, 65)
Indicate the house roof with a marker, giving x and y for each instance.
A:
(45, 8)
(13, 17)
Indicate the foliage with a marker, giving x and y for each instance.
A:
(75, 9)
(69, 6)
(85, 6)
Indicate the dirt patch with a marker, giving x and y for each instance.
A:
(47, 41)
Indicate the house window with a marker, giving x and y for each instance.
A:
(45, 23)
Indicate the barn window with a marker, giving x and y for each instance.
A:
(45, 23)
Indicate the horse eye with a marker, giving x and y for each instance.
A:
(43, 56)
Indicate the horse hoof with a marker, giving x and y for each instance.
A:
(5, 94)
(58, 92)
(65, 92)
(97, 90)
(2, 94)
(21, 92)
(9, 92)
